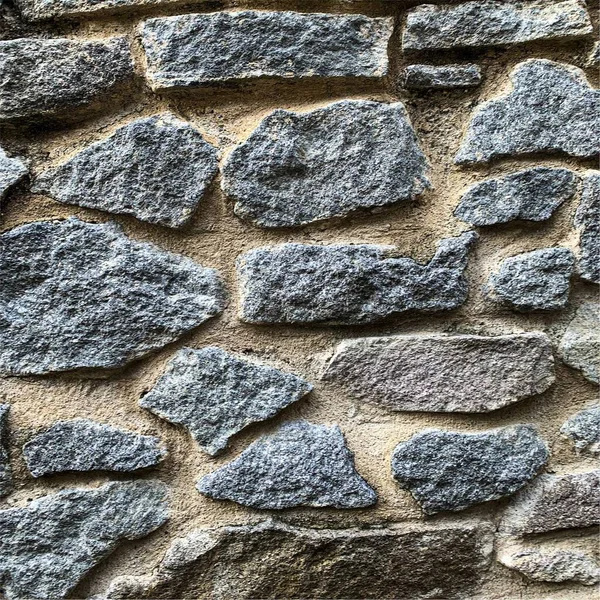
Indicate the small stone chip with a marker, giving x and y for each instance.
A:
(583, 429)
(580, 345)
(12, 170)
(441, 76)
(587, 220)
(5, 471)
(300, 465)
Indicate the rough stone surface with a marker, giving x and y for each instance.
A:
(38, 10)
(44, 77)
(441, 77)
(493, 23)
(583, 429)
(346, 156)
(195, 49)
(440, 373)
(5, 471)
(587, 220)
(92, 298)
(551, 108)
(531, 195)
(345, 284)
(84, 445)
(580, 345)
(12, 170)
(215, 394)
(538, 280)
(594, 57)
(446, 470)
(301, 464)
(156, 169)
(48, 546)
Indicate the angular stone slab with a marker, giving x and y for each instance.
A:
(157, 169)
(90, 297)
(493, 23)
(587, 220)
(12, 170)
(299, 465)
(346, 156)
(441, 76)
(529, 195)
(47, 77)
(446, 470)
(583, 428)
(48, 546)
(5, 471)
(551, 109)
(441, 373)
(347, 284)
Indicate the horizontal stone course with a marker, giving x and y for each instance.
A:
(441, 76)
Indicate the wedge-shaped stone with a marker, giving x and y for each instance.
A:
(551, 108)
(12, 170)
(580, 345)
(156, 169)
(583, 428)
(441, 76)
(79, 295)
(587, 220)
(442, 373)
(47, 547)
(446, 470)
(349, 155)
(5, 472)
(301, 464)
(346, 284)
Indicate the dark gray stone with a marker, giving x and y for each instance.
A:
(446, 470)
(551, 108)
(12, 170)
(583, 429)
(346, 156)
(580, 345)
(531, 195)
(5, 471)
(90, 297)
(156, 169)
(47, 547)
(195, 49)
(587, 220)
(215, 394)
(441, 76)
(346, 284)
(299, 465)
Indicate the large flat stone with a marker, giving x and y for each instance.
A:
(40, 10)
(583, 428)
(587, 220)
(5, 471)
(441, 77)
(346, 156)
(12, 170)
(90, 297)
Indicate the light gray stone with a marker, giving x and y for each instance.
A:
(538, 280)
(442, 373)
(48, 546)
(349, 155)
(551, 109)
(583, 429)
(156, 169)
(90, 297)
(580, 345)
(493, 23)
(215, 394)
(84, 445)
(587, 220)
(300, 465)
(5, 471)
(12, 170)
(441, 76)
(48, 77)
(446, 470)
(347, 284)
(196, 49)
(531, 195)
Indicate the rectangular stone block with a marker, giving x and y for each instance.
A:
(441, 76)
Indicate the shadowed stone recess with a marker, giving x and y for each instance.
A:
(441, 76)
(90, 297)
(583, 428)
(580, 345)
(215, 394)
(346, 156)
(299, 465)
(156, 169)
(12, 170)
(446, 470)
(5, 471)
(587, 220)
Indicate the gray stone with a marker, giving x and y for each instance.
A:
(84, 445)
(550, 109)
(38, 10)
(156, 169)
(441, 76)
(441, 373)
(47, 547)
(215, 394)
(583, 429)
(47, 77)
(580, 345)
(594, 57)
(587, 220)
(299, 465)
(346, 156)
(493, 23)
(446, 470)
(195, 49)
(531, 195)
(5, 471)
(538, 280)
(12, 170)
(90, 297)
(346, 284)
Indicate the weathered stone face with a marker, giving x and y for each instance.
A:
(5, 472)
(594, 57)
(441, 77)
(38, 10)
(11, 171)
(583, 428)
(349, 155)
(587, 220)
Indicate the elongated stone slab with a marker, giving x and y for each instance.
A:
(90, 297)
(346, 284)
(587, 220)
(12, 170)
(156, 169)
(418, 77)
(346, 156)
(583, 428)
(5, 471)
(580, 345)
(441, 373)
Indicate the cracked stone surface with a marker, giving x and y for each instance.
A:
(300, 465)
(587, 220)
(446, 470)
(441, 76)
(156, 169)
(583, 429)
(346, 156)
(12, 170)
(93, 298)
(5, 471)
